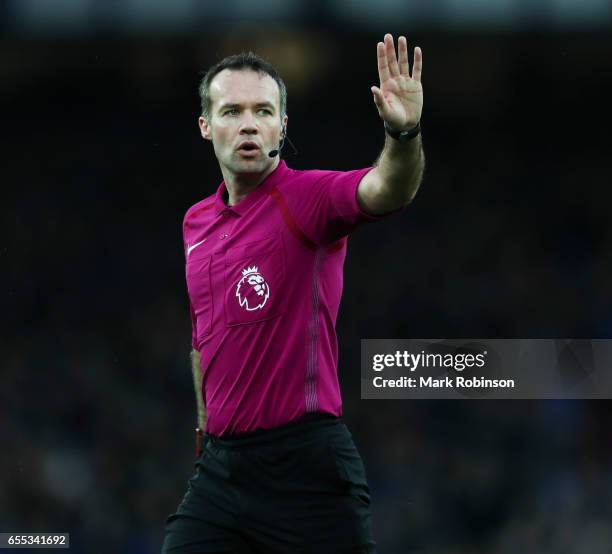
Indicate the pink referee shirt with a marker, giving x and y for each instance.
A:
(264, 279)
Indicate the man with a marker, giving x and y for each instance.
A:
(278, 471)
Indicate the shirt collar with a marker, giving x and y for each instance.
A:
(263, 188)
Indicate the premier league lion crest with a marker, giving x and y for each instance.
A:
(252, 290)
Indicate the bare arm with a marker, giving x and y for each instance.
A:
(197, 384)
(395, 179)
(398, 171)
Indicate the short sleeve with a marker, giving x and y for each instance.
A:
(324, 203)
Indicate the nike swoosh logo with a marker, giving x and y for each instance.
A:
(190, 248)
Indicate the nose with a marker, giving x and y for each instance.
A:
(248, 124)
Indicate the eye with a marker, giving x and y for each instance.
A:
(231, 111)
(265, 110)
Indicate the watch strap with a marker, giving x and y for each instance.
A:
(403, 136)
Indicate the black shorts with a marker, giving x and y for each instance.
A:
(300, 488)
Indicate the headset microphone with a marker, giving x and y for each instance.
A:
(275, 152)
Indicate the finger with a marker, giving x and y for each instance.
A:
(391, 58)
(383, 67)
(417, 66)
(404, 65)
(378, 98)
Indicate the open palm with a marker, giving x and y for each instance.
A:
(399, 98)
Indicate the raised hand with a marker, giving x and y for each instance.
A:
(399, 98)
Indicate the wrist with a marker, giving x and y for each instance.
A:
(403, 135)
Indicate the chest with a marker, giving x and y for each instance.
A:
(237, 267)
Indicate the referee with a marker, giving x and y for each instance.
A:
(277, 470)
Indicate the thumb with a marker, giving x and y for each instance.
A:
(378, 97)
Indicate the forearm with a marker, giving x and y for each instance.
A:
(400, 168)
(197, 385)
(395, 179)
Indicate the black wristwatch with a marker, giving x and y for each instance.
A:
(404, 136)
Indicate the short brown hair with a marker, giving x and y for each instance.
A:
(244, 60)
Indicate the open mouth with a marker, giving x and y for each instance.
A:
(248, 149)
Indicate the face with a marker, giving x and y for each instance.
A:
(245, 120)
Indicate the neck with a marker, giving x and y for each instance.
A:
(239, 185)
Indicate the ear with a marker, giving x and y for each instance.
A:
(284, 127)
(205, 129)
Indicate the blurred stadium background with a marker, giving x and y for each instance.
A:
(510, 236)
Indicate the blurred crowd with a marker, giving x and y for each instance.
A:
(508, 238)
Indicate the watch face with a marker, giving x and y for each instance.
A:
(407, 135)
